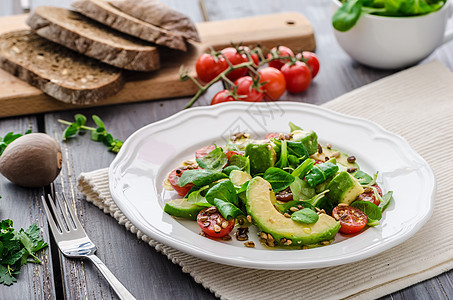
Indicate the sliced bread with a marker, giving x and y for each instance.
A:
(57, 71)
(103, 12)
(159, 14)
(83, 35)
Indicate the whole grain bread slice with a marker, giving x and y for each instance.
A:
(83, 35)
(57, 71)
(159, 14)
(101, 11)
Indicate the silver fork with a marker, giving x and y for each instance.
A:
(73, 242)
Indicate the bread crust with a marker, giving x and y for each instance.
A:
(76, 32)
(37, 72)
(101, 11)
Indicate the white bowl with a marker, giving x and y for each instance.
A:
(394, 42)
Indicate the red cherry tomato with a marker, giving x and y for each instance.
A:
(222, 96)
(275, 83)
(272, 135)
(174, 177)
(297, 76)
(235, 58)
(369, 195)
(254, 56)
(204, 151)
(311, 60)
(231, 153)
(281, 51)
(209, 67)
(352, 220)
(245, 87)
(213, 223)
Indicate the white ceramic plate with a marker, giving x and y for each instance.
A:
(137, 173)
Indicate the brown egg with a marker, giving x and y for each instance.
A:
(33, 160)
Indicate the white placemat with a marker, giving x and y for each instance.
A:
(417, 104)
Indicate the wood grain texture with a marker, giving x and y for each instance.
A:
(23, 207)
(19, 99)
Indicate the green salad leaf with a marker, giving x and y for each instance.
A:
(305, 215)
(215, 160)
(278, 179)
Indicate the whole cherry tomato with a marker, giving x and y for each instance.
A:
(311, 60)
(275, 84)
(247, 90)
(174, 177)
(297, 76)
(279, 51)
(352, 220)
(223, 96)
(235, 58)
(209, 66)
(213, 223)
(254, 56)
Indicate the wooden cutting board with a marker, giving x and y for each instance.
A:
(289, 29)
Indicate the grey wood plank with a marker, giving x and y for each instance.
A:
(10, 7)
(23, 207)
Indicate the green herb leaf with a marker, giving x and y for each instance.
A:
(227, 209)
(200, 177)
(278, 179)
(369, 208)
(224, 190)
(303, 168)
(215, 160)
(386, 199)
(198, 199)
(301, 190)
(320, 173)
(305, 215)
(347, 15)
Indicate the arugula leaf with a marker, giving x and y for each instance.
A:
(278, 179)
(305, 215)
(215, 160)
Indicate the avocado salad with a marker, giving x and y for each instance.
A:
(297, 192)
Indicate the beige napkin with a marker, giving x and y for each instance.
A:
(417, 104)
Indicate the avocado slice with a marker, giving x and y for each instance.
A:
(262, 156)
(308, 138)
(344, 188)
(260, 206)
(238, 177)
(182, 209)
(341, 158)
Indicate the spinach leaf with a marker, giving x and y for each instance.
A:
(301, 190)
(200, 177)
(227, 209)
(305, 215)
(283, 161)
(320, 173)
(347, 15)
(293, 127)
(278, 179)
(215, 160)
(223, 190)
(386, 199)
(303, 168)
(298, 149)
(369, 208)
(286, 207)
(363, 178)
(198, 199)
(228, 169)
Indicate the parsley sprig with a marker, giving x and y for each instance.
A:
(18, 248)
(98, 134)
(9, 138)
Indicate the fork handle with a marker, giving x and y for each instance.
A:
(117, 286)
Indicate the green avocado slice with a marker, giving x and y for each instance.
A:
(343, 188)
(262, 156)
(182, 209)
(260, 206)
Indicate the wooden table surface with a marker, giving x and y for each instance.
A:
(145, 272)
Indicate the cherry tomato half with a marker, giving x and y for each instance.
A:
(235, 58)
(369, 195)
(275, 83)
(174, 177)
(209, 67)
(272, 135)
(222, 96)
(247, 91)
(231, 153)
(312, 61)
(352, 220)
(213, 223)
(204, 151)
(280, 51)
(297, 76)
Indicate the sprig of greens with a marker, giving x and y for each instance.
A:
(349, 13)
(9, 138)
(18, 248)
(98, 134)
